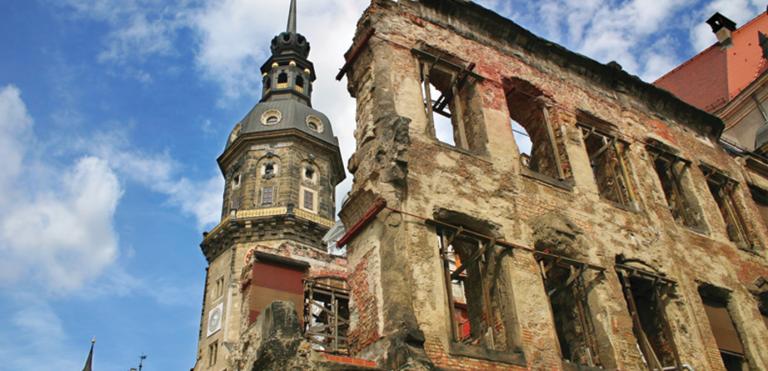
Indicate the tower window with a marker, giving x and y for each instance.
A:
(314, 123)
(269, 170)
(213, 350)
(309, 173)
(267, 82)
(299, 84)
(282, 80)
(307, 200)
(267, 195)
(236, 181)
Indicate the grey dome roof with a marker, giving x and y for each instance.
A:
(293, 115)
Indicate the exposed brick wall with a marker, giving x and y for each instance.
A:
(364, 330)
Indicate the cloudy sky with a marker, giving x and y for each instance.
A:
(112, 113)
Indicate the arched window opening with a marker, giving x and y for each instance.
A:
(270, 170)
(282, 80)
(528, 110)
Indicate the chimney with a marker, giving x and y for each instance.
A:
(722, 27)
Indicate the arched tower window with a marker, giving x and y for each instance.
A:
(269, 170)
(299, 81)
(282, 80)
(267, 82)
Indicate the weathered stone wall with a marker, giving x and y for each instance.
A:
(395, 268)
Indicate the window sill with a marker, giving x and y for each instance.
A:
(463, 151)
(515, 357)
(633, 208)
(566, 185)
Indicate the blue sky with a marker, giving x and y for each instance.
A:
(112, 113)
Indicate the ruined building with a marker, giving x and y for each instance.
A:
(625, 237)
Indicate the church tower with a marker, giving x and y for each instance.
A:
(281, 165)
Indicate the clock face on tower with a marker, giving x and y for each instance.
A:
(214, 319)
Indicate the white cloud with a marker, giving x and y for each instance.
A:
(54, 230)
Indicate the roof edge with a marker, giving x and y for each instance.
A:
(489, 22)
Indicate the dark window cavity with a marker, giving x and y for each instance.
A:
(671, 171)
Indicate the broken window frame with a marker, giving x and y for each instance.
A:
(544, 104)
(660, 286)
(725, 198)
(681, 202)
(624, 193)
(460, 76)
(330, 299)
(578, 290)
(459, 273)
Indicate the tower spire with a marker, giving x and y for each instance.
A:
(292, 18)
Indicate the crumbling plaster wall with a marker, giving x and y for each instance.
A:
(414, 172)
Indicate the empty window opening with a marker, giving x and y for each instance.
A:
(267, 82)
(267, 196)
(645, 292)
(567, 291)
(527, 107)
(723, 189)
(236, 181)
(269, 170)
(326, 314)
(299, 83)
(309, 173)
(607, 158)
(450, 101)
(470, 270)
(282, 80)
(671, 170)
(721, 323)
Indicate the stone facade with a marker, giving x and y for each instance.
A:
(479, 186)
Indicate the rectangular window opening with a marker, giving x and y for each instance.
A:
(308, 202)
(607, 158)
(644, 295)
(567, 293)
(671, 170)
(475, 316)
(536, 138)
(723, 189)
(219, 290)
(213, 350)
(267, 196)
(326, 314)
(721, 323)
(447, 92)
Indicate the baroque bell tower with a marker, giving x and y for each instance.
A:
(281, 165)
